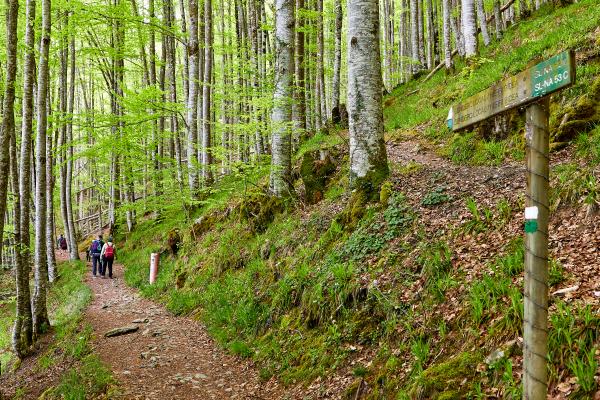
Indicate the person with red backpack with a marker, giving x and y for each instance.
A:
(95, 251)
(108, 255)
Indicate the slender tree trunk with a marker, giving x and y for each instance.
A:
(482, 22)
(414, 36)
(337, 62)
(446, 24)
(403, 41)
(206, 94)
(73, 251)
(225, 98)
(430, 35)
(24, 183)
(282, 99)
(469, 27)
(368, 159)
(192, 106)
(23, 329)
(8, 116)
(50, 225)
(40, 312)
(458, 34)
(22, 337)
(498, 19)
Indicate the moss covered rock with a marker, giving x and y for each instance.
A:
(259, 209)
(579, 117)
(173, 241)
(315, 175)
(445, 380)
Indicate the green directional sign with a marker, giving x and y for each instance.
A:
(540, 80)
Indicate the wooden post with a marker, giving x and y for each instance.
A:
(535, 379)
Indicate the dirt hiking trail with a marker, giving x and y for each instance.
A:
(168, 357)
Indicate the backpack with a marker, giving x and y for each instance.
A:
(96, 248)
(63, 243)
(109, 253)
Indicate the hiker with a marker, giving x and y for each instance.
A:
(108, 255)
(61, 243)
(96, 252)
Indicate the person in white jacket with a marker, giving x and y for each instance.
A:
(108, 254)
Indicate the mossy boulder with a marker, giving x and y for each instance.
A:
(579, 117)
(204, 224)
(173, 241)
(315, 175)
(259, 209)
(445, 380)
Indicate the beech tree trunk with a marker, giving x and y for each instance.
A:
(482, 22)
(368, 159)
(40, 312)
(414, 36)
(50, 224)
(73, 251)
(206, 95)
(8, 115)
(23, 329)
(192, 106)
(280, 182)
(469, 27)
(337, 62)
(447, 34)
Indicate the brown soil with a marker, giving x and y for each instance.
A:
(168, 357)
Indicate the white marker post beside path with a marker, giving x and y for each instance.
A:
(529, 89)
(154, 260)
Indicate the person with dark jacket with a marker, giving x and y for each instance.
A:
(96, 251)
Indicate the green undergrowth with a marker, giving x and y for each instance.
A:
(82, 374)
(422, 107)
(304, 290)
(303, 295)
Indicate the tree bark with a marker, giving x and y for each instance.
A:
(447, 35)
(8, 115)
(192, 106)
(482, 22)
(368, 159)
(22, 334)
(280, 184)
(337, 62)
(414, 36)
(469, 27)
(73, 251)
(40, 312)
(207, 161)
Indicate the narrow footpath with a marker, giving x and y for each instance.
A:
(168, 357)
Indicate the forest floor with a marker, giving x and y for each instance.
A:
(168, 357)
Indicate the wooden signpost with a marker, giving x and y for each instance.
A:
(528, 88)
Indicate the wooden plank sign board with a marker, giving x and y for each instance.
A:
(540, 80)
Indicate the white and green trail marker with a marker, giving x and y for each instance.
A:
(531, 219)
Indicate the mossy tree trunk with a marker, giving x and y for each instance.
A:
(368, 159)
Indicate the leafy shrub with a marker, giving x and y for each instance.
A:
(437, 196)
